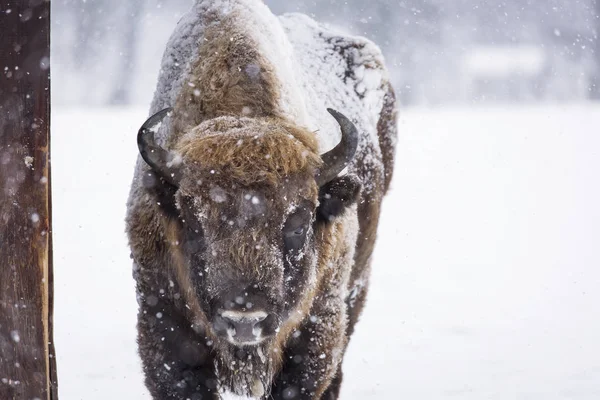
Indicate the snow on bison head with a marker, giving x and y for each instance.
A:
(245, 197)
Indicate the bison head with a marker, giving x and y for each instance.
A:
(248, 196)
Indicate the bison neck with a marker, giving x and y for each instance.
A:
(244, 67)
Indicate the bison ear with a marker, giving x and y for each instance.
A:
(336, 195)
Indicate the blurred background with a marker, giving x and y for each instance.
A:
(107, 52)
(485, 280)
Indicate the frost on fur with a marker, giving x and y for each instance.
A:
(251, 268)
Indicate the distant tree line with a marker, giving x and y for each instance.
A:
(108, 51)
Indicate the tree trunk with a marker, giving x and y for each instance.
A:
(27, 363)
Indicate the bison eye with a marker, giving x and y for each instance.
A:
(294, 240)
(295, 228)
(298, 232)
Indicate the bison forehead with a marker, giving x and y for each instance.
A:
(249, 151)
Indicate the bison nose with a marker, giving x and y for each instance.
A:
(244, 328)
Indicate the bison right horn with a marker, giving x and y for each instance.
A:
(335, 160)
(155, 156)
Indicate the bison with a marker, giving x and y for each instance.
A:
(255, 202)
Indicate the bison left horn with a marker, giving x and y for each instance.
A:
(335, 160)
(155, 156)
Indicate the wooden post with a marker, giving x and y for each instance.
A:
(27, 363)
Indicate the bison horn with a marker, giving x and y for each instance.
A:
(155, 156)
(335, 160)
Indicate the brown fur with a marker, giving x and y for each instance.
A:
(370, 208)
(181, 274)
(333, 251)
(387, 133)
(234, 141)
(229, 77)
(251, 151)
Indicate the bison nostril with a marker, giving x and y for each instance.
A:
(222, 325)
(268, 325)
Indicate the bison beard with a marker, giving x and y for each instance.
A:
(251, 255)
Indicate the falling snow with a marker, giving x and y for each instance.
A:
(484, 278)
(14, 335)
(442, 270)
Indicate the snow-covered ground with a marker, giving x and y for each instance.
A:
(486, 282)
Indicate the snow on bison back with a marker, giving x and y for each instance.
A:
(251, 245)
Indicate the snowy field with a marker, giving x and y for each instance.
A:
(486, 281)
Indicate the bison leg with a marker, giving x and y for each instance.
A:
(176, 359)
(354, 307)
(313, 354)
